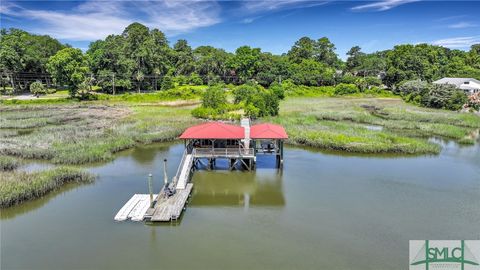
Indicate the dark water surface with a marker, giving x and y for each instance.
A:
(322, 211)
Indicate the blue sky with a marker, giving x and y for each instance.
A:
(271, 25)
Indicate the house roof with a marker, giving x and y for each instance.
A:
(456, 81)
(267, 131)
(469, 87)
(214, 130)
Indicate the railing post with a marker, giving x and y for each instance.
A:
(150, 189)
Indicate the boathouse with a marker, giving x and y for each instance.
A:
(204, 144)
(239, 144)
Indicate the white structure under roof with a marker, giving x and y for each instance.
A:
(469, 85)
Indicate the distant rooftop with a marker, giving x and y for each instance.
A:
(456, 81)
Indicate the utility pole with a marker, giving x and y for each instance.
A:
(113, 83)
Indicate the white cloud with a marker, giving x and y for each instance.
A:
(95, 19)
(249, 20)
(382, 5)
(271, 5)
(461, 25)
(457, 42)
(450, 18)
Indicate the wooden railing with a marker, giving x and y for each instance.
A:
(223, 152)
(179, 169)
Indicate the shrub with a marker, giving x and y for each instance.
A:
(376, 91)
(37, 89)
(167, 83)
(361, 84)
(195, 79)
(346, 89)
(252, 111)
(348, 78)
(258, 101)
(445, 96)
(253, 98)
(244, 92)
(181, 80)
(214, 98)
(278, 90)
(205, 113)
(373, 81)
(272, 103)
(213, 79)
(413, 88)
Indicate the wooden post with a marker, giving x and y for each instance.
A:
(150, 189)
(165, 176)
(281, 153)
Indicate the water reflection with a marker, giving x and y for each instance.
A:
(337, 205)
(28, 206)
(238, 189)
(146, 154)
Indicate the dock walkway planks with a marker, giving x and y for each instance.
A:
(185, 172)
(171, 208)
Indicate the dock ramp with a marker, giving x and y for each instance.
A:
(183, 173)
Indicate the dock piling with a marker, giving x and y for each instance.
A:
(150, 189)
(165, 176)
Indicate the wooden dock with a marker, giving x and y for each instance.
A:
(166, 207)
(170, 208)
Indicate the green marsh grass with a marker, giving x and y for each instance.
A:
(8, 163)
(16, 187)
(89, 132)
(342, 124)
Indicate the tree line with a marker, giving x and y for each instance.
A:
(142, 59)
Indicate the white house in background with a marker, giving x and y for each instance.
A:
(469, 85)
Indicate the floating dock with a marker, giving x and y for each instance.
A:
(161, 207)
(135, 208)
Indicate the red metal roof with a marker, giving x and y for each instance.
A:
(214, 130)
(267, 131)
